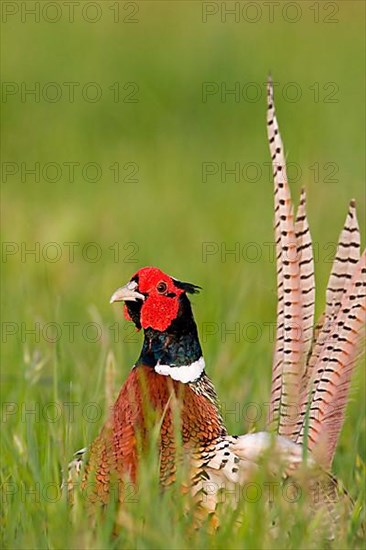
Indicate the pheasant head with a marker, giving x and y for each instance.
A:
(158, 303)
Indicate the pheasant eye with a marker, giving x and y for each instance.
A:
(162, 287)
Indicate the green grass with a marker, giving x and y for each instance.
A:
(167, 215)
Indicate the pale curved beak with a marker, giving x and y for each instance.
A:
(127, 293)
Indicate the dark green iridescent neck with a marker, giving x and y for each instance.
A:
(179, 345)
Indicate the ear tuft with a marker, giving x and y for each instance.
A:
(187, 287)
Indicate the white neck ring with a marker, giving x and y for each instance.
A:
(184, 373)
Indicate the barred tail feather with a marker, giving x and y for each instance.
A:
(274, 143)
(347, 254)
(334, 368)
(307, 280)
(286, 373)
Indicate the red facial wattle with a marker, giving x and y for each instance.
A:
(160, 308)
(158, 312)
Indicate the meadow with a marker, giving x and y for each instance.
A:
(134, 134)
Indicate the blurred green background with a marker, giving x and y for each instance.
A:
(160, 130)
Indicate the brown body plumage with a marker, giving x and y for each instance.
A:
(147, 398)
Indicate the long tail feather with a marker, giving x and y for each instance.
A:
(348, 253)
(275, 144)
(307, 280)
(286, 372)
(333, 370)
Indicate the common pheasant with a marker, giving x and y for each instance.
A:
(310, 376)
